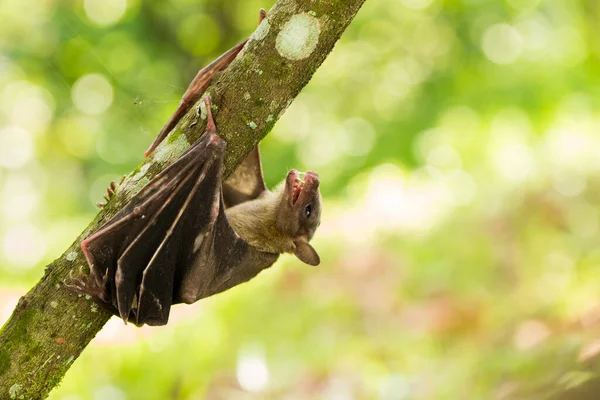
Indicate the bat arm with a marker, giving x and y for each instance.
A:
(195, 91)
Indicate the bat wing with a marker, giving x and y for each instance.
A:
(172, 242)
(247, 181)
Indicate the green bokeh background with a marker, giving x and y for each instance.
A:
(458, 144)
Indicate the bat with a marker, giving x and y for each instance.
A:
(186, 235)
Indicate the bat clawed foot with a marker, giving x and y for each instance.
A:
(110, 192)
(82, 283)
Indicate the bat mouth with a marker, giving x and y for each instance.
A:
(297, 187)
(301, 182)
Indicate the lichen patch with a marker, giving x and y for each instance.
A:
(252, 125)
(201, 110)
(263, 29)
(71, 256)
(141, 172)
(273, 106)
(299, 37)
(173, 150)
(15, 390)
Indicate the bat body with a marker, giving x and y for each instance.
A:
(185, 236)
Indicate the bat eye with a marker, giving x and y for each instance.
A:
(308, 210)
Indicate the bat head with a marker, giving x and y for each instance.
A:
(299, 214)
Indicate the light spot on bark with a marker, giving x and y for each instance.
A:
(252, 125)
(141, 172)
(170, 151)
(94, 308)
(311, 12)
(263, 29)
(71, 256)
(246, 96)
(53, 304)
(15, 390)
(273, 106)
(269, 118)
(201, 110)
(299, 37)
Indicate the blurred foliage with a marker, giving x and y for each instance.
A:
(457, 141)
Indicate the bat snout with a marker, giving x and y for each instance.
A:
(311, 178)
(300, 185)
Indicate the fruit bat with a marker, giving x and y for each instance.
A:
(186, 236)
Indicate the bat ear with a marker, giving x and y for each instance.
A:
(306, 253)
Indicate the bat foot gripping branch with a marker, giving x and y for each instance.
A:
(110, 192)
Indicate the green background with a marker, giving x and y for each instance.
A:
(458, 145)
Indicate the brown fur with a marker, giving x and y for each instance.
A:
(256, 222)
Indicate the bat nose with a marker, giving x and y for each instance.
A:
(312, 177)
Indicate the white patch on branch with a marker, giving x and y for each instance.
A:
(261, 32)
(299, 37)
(141, 172)
(170, 150)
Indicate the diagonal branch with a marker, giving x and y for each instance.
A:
(51, 326)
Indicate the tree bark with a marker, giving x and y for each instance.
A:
(51, 325)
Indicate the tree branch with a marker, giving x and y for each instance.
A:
(50, 325)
